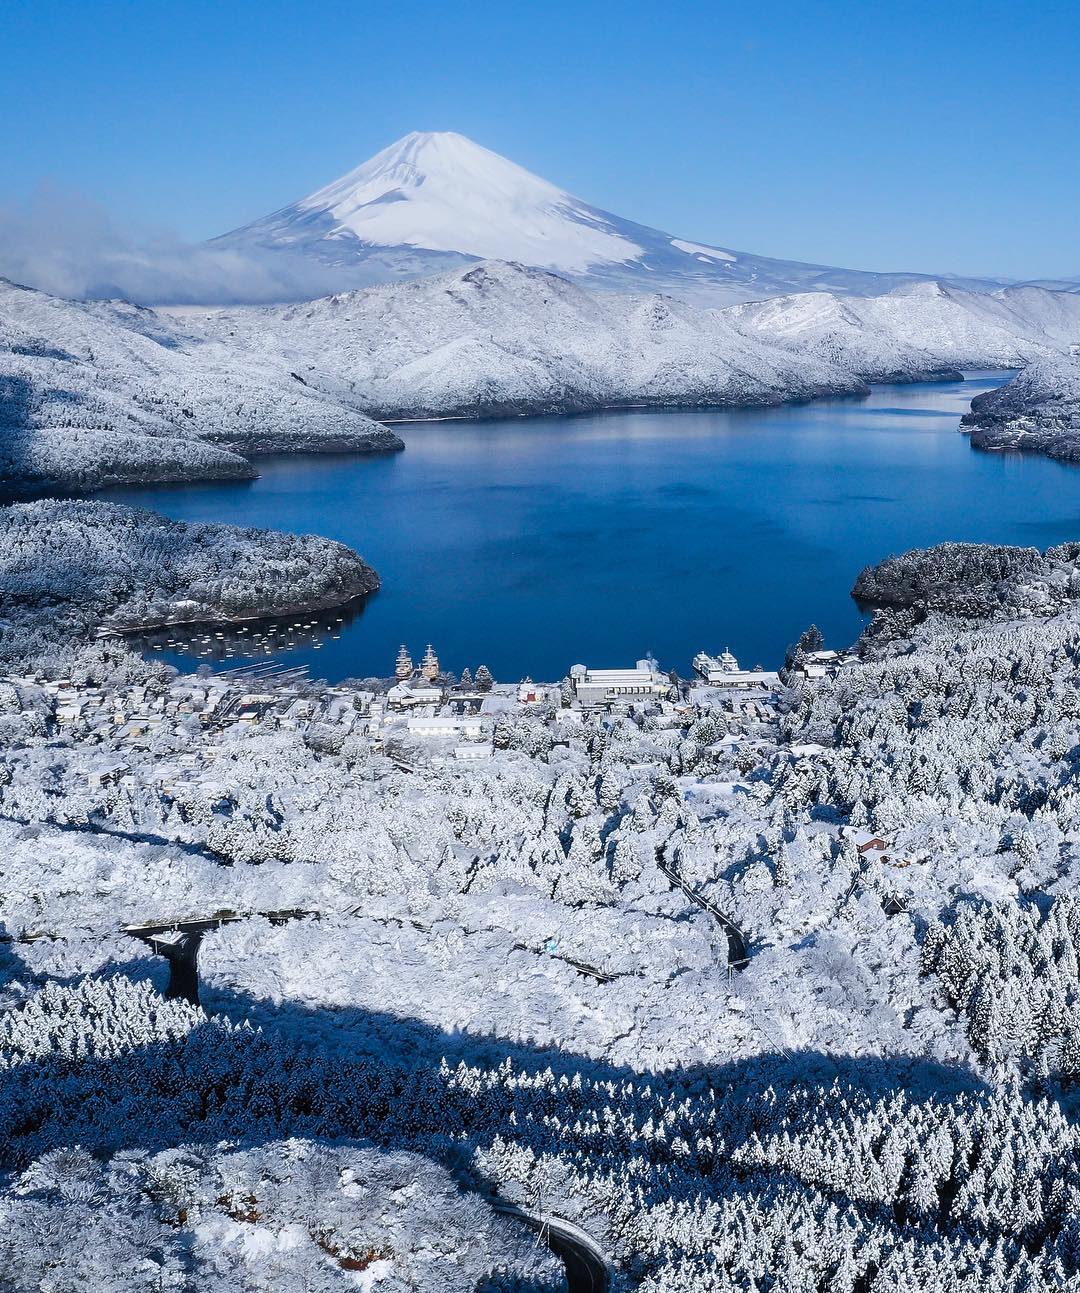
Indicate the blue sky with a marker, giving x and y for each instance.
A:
(878, 135)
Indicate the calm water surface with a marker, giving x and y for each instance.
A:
(531, 544)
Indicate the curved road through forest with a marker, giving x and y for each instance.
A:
(587, 1269)
(738, 957)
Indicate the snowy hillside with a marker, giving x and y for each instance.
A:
(433, 201)
(499, 338)
(920, 325)
(70, 566)
(504, 978)
(105, 392)
(832, 327)
(1039, 410)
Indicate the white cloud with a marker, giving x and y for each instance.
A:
(64, 243)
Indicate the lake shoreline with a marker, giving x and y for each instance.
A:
(533, 544)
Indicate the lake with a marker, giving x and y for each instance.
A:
(531, 544)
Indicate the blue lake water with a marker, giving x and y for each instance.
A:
(532, 544)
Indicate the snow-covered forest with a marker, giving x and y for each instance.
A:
(1038, 411)
(438, 981)
(70, 567)
(104, 392)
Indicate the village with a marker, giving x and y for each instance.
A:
(168, 735)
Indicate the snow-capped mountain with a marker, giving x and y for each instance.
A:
(436, 201)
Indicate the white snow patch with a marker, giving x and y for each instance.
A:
(699, 249)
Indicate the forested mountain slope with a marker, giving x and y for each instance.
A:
(500, 338)
(104, 392)
(1038, 411)
(69, 567)
(917, 327)
(498, 974)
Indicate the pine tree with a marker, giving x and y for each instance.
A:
(783, 872)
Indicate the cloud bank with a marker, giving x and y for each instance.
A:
(61, 242)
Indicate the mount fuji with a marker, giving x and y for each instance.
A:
(437, 201)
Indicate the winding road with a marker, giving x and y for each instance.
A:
(738, 957)
(587, 1268)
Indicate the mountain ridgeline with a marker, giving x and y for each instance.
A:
(435, 201)
(101, 393)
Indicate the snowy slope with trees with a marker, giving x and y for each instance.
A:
(978, 580)
(498, 974)
(1038, 411)
(915, 328)
(501, 338)
(104, 392)
(69, 567)
(294, 1214)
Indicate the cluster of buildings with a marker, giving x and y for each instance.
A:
(129, 722)
(420, 708)
(814, 666)
(136, 715)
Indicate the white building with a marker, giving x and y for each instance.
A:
(106, 774)
(469, 726)
(724, 671)
(714, 668)
(643, 683)
(816, 665)
(403, 696)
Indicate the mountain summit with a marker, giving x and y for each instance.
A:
(434, 201)
(442, 192)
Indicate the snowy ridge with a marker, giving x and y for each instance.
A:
(501, 338)
(437, 200)
(920, 326)
(105, 392)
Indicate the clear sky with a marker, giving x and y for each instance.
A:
(939, 137)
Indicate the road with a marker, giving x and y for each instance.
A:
(587, 1269)
(738, 957)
